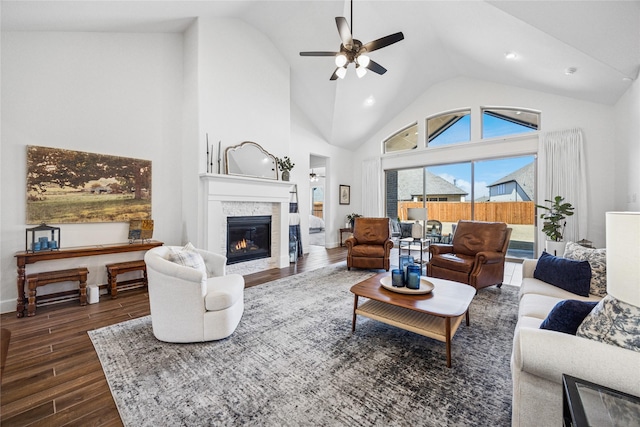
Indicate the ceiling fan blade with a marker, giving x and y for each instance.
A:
(376, 68)
(383, 42)
(334, 76)
(344, 31)
(318, 53)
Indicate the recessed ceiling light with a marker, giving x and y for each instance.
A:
(510, 55)
(369, 101)
(570, 70)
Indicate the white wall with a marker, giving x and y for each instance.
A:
(627, 151)
(149, 96)
(596, 121)
(243, 95)
(307, 140)
(118, 94)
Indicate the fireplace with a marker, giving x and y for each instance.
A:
(248, 238)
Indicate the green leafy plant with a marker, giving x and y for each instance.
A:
(285, 163)
(554, 218)
(352, 218)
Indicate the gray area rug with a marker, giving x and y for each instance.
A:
(293, 361)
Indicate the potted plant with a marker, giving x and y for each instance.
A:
(285, 166)
(351, 218)
(554, 223)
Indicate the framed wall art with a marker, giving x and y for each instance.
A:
(65, 186)
(345, 194)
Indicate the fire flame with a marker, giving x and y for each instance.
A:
(242, 244)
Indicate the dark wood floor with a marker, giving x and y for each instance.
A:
(53, 376)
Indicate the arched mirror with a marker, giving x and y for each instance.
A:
(250, 159)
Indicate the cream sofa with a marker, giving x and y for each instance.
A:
(540, 357)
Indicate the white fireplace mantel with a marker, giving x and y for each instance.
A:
(220, 188)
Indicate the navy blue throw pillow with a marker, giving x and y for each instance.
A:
(568, 274)
(567, 316)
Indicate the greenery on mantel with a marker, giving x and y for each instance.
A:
(285, 164)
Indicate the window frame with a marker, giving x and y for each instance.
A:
(443, 129)
(393, 135)
(483, 109)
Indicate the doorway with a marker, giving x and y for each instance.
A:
(318, 208)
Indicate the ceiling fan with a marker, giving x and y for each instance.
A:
(354, 51)
(314, 177)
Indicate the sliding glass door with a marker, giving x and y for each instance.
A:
(505, 192)
(489, 190)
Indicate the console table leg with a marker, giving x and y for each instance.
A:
(20, 300)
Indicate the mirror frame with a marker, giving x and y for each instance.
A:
(247, 144)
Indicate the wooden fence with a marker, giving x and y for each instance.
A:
(509, 212)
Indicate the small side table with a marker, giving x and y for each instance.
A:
(342, 231)
(586, 404)
(410, 244)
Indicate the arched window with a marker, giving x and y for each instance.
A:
(405, 139)
(508, 121)
(449, 128)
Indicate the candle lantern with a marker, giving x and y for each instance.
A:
(42, 238)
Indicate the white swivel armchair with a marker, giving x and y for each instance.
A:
(188, 305)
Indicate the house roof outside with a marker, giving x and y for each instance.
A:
(410, 184)
(524, 177)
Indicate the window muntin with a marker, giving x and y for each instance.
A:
(449, 128)
(403, 140)
(508, 121)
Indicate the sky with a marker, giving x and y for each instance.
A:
(486, 172)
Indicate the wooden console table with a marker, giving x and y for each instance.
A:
(28, 257)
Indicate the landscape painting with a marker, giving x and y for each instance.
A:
(65, 186)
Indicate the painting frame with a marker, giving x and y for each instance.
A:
(69, 186)
(345, 194)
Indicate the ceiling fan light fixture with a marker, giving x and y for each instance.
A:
(363, 60)
(360, 71)
(353, 50)
(341, 60)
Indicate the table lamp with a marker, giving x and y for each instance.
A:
(418, 214)
(623, 255)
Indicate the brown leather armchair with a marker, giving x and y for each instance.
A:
(475, 256)
(370, 245)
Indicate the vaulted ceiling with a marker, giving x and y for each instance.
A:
(443, 39)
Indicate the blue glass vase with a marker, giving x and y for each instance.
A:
(413, 280)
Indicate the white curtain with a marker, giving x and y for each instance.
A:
(562, 157)
(371, 188)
